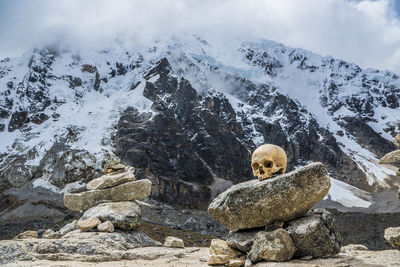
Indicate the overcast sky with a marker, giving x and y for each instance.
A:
(364, 32)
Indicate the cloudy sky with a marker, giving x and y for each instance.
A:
(364, 32)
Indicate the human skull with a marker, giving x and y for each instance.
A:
(268, 160)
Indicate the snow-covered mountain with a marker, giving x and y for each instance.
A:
(187, 114)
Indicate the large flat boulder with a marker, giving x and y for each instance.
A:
(283, 198)
(124, 192)
(125, 215)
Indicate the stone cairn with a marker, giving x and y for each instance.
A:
(271, 218)
(392, 234)
(109, 202)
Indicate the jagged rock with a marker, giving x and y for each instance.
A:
(174, 242)
(318, 228)
(392, 235)
(87, 224)
(106, 226)
(124, 215)
(124, 192)
(272, 246)
(84, 246)
(254, 203)
(397, 140)
(107, 181)
(221, 253)
(68, 228)
(27, 234)
(390, 157)
(242, 240)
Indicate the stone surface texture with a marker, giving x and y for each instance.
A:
(272, 246)
(68, 227)
(87, 224)
(125, 215)
(110, 180)
(106, 226)
(173, 242)
(85, 246)
(391, 157)
(241, 241)
(124, 192)
(315, 235)
(221, 253)
(254, 203)
(392, 235)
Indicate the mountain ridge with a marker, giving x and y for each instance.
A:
(187, 115)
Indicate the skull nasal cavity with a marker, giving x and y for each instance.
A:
(268, 164)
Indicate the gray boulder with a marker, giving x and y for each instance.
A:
(283, 198)
(315, 235)
(272, 246)
(124, 192)
(124, 215)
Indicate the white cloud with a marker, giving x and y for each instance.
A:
(364, 32)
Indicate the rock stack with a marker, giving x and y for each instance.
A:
(109, 201)
(271, 219)
(392, 234)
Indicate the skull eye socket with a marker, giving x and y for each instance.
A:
(255, 166)
(268, 164)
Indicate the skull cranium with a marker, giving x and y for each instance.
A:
(267, 160)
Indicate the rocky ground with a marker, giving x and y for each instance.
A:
(156, 256)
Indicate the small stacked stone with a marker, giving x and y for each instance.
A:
(272, 220)
(109, 201)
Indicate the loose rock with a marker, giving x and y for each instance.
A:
(272, 246)
(315, 229)
(392, 235)
(254, 204)
(124, 192)
(88, 224)
(390, 157)
(221, 253)
(68, 228)
(125, 215)
(107, 181)
(106, 226)
(241, 241)
(174, 242)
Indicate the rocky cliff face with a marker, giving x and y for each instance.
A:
(187, 115)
